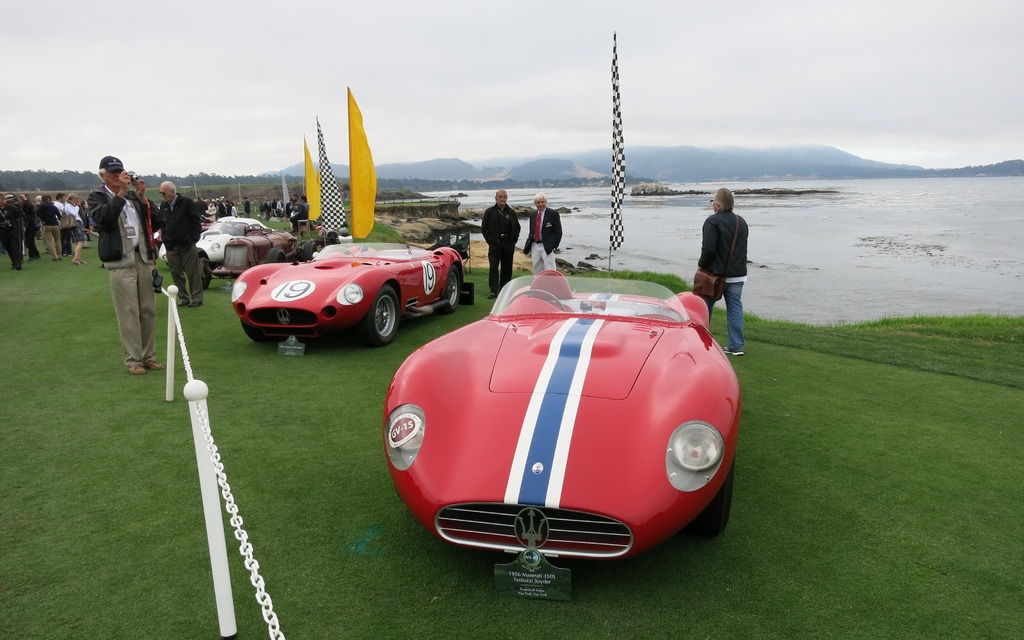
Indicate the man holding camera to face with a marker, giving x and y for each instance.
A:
(126, 220)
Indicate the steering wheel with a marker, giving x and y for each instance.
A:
(540, 294)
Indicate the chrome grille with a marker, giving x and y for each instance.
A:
(235, 255)
(491, 525)
(272, 316)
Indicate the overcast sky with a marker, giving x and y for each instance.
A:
(231, 87)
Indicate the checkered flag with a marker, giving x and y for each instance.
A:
(284, 191)
(618, 155)
(332, 207)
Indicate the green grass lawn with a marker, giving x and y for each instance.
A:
(878, 488)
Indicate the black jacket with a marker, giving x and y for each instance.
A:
(501, 228)
(550, 233)
(719, 229)
(107, 213)
(182, 224)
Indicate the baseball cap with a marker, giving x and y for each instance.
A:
(110, 163)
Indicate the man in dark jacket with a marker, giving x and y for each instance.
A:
(49, 218)
(30, 226)
(299, 213)
(717, 248)
(500, 228)
(11, 234)
(182, 226)
(126, 220)
(543, 236)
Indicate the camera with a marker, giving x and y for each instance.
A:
(134, 176)
(158, 281)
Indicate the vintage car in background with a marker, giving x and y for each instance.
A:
(213, 241)
(369, 285)
(593, 418)
(247, 251)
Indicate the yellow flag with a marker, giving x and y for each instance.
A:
(362, 175)
(312, 184)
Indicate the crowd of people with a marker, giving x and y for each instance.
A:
(62, 223)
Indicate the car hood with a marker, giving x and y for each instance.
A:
(534, 351)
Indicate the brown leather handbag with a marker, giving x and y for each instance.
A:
(708, 284)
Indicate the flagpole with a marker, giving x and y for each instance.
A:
(618, 159)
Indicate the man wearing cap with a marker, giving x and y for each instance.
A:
(11, 235)
(126, 220)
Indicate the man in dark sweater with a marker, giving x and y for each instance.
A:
(49, 218)
(500, 228)
(182, 226)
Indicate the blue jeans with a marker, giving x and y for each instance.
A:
(733, 314)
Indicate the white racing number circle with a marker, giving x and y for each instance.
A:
(292, 290)
(429, 277)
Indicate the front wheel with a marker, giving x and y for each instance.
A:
(452, 291)
(380, 324)
(715, 516)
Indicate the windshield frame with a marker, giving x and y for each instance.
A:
(591, 296)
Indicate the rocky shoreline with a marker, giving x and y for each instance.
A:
(657, 189)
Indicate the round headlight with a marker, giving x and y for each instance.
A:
(350, 294)
(696, 446)
(238, 289)
(403, 435)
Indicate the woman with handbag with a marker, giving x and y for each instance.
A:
(76, 232)
(723, 253)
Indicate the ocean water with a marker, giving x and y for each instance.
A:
(866, 250)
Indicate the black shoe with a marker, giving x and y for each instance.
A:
(734, 352)
(183, 303)
(195, 303)
(492, 295)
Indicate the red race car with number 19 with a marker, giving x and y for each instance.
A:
(369, 285)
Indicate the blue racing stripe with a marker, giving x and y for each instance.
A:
(549, 421)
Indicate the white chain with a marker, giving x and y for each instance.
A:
(244, 547)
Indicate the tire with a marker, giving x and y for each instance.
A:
(452, 292)
(254, 334)
(713, 519)
(380, 324)
(207, 270)
(276, 254)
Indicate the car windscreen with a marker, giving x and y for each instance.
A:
(226, 228)
(554, 293)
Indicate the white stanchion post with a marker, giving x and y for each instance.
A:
(196, 393)
(172, 339)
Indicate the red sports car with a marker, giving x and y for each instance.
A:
(345, 285)
(590, 417)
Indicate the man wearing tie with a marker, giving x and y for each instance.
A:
(545, 235)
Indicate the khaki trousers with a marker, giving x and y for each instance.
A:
(135, 306)
(51, 239)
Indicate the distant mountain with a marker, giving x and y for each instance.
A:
(673, 164)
